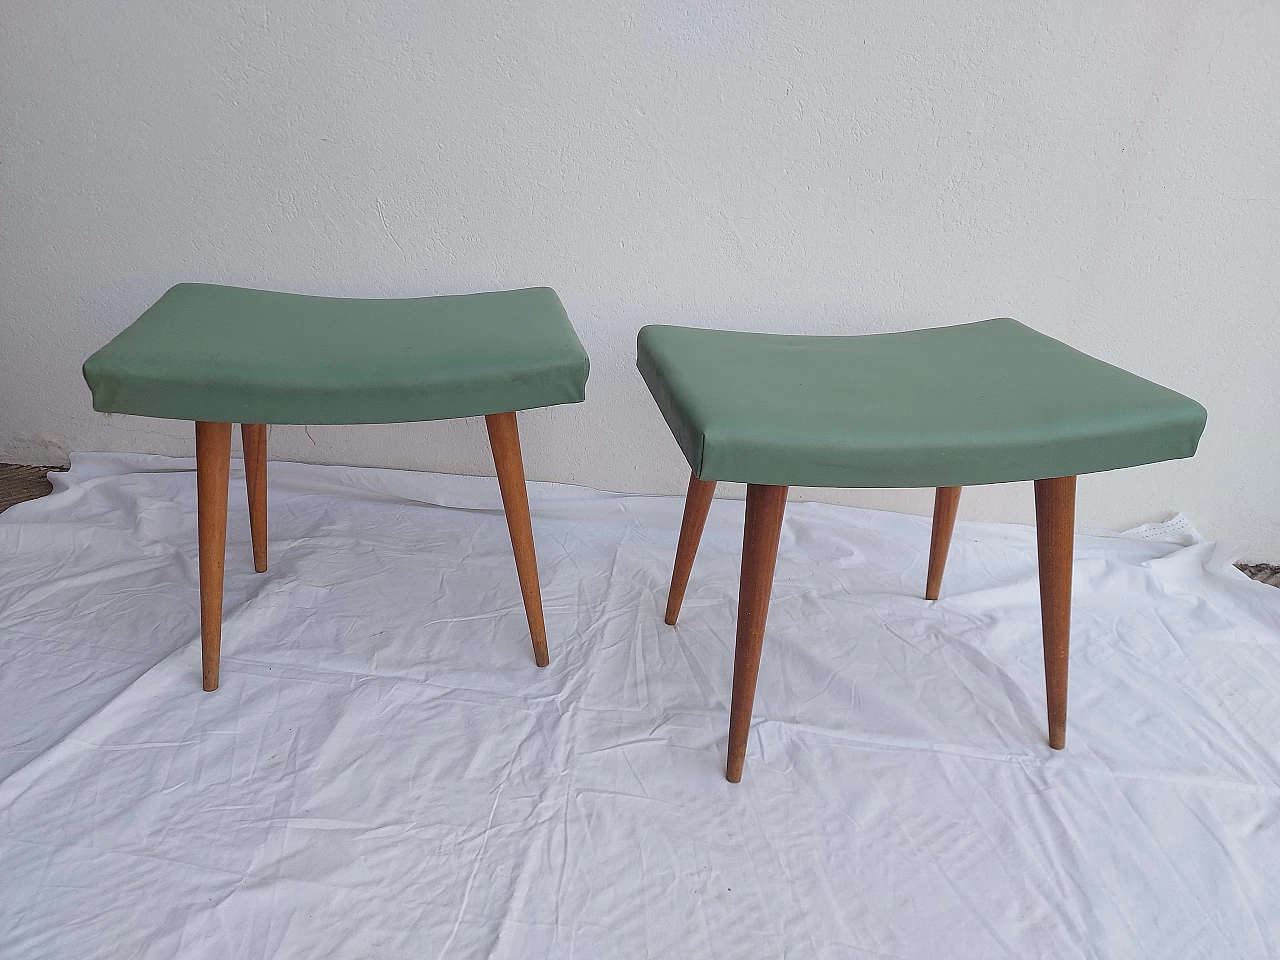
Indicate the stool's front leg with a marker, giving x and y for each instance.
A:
(1055, 535)
(696, 504)
(504, 439)
(253, 437)
(765, 506)
(945, 502)
(213, 462)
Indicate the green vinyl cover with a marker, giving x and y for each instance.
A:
(227, 354)
(976, 403)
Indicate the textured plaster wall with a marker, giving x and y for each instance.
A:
(1107, 172)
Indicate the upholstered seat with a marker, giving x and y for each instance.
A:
(985, 402)
(215, 353)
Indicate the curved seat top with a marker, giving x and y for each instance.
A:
(227, 354)
(985, 402)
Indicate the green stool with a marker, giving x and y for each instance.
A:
(983, 402)
(221, 355)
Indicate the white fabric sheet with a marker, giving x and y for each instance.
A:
(384, 772)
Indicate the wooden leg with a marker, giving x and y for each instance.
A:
(696, 504)
(504, 439)
(253, 436)
(1055, 533)
(945, 502)
(213, 462)
(765, 505)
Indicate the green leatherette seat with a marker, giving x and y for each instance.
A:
(226, 354)
(977, 403)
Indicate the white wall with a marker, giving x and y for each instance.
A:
(1108, 172)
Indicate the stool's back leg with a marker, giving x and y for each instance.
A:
(213, 462)
(504, 440)
(696, 504)
(765, 506)
(945, 502)
(253, 436)
(1055, 532)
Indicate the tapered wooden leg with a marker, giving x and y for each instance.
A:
(253, 436)
(765, 505)
(696, 504)
(504, 439)
(945, 502)
(213, 462)
(1055, 534)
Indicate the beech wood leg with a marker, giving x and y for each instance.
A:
(1055, 533)
(213, 462)
(765, 506)
(945, 502)
(696, 504)
(253, 437)
(504, 440)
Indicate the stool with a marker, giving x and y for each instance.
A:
(986, 402)
(222, 355)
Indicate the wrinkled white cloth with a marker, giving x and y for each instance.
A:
(385, 773)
